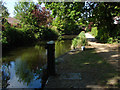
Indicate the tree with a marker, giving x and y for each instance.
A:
(5, 13)
(102, 16)
(42, 16)
(33, 17)
(4, 9)
(23, 12)
(5, 23)
(67, 15)
(29, 13)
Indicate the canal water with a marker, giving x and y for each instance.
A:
(22, 67)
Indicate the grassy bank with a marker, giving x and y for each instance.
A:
(94, 69)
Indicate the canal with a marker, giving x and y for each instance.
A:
(22, 67)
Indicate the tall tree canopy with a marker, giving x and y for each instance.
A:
(102, 16)
(4, 9)
(34, 18)
(100, 13)
(67, 15)
(32, 14)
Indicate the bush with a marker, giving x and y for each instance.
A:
(15, 37)
(74, 42)
(49, 34)
(94, 31)
(72, 29)
(110, 40)
(114, 40)
(80, 40)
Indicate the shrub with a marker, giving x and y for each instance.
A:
(80, 40)
(55, 30)
(74, 42)
(15, 37)
(49, 34)
(110, 40)
(114, 40)
(94, 31)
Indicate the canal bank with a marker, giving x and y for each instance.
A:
(22, 67)
(87, 69)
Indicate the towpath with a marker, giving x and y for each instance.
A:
(96, 67)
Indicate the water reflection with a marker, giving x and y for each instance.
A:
(5, 75)
(62, 47)
(24, 70)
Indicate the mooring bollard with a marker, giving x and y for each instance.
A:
(50, 58)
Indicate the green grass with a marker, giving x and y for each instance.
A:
(90, 62)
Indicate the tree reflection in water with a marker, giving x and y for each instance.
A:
(28, 68)
(5, 75)
(62, 47)
(25, 69)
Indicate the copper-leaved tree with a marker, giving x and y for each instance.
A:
(33, 17)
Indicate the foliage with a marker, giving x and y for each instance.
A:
(23, 12)
(34, 25)
(49, 34)
(66, 16)
(12, 36)
(89, 27)
(74, 42)
(110, 40)
(59, 24)
(4, 11)
(71, 10)
(6, 25)
(33, 17)
(114, 40)
(29, 13)
(80, 40)
(94, 31)
(16, 37)
(5, 14)
(102, 15)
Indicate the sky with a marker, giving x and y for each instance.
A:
(10, 6)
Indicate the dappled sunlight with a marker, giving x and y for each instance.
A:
(96, 86)
(76, 59)
(115, 56)
(75, 52)
(90, 61)
(102, 51)
(99, 62)
(113, 81)
(86, 63)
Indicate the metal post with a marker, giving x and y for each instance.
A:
(51, 58)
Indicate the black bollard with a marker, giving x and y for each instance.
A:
(51, 58)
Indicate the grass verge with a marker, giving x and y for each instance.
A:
(92, 64)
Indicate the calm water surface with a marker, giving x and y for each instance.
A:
(22, 67)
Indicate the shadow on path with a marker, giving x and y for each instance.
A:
(96, 67)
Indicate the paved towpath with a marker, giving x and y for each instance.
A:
(72, 79)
